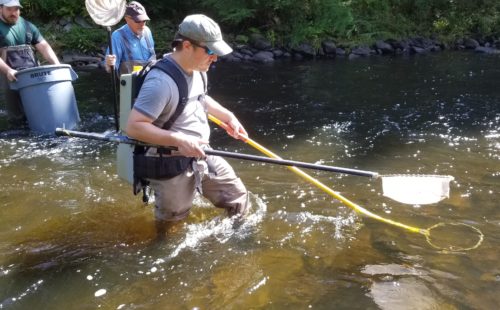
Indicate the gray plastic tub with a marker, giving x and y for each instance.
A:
(48, 97)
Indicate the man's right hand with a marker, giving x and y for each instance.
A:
(11, 75)
(190, 146)
(110, 60)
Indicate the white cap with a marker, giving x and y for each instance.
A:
(11, 3)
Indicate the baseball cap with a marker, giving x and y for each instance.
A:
(201, 28)
(11, 3)
(136, 11)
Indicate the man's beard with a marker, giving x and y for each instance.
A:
(11, 20)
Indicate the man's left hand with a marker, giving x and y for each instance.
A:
(235, 129)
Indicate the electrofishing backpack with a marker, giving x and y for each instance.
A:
(162, 166)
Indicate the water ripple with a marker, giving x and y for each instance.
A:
(220, 228)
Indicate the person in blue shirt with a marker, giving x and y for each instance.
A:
(133, 43)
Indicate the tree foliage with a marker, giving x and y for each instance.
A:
(45, 9)
(295, 21)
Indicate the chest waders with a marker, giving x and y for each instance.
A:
(18, 57)
(21, 56)
(128, 65)
(163, 166)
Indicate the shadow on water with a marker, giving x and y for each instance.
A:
(73, 234)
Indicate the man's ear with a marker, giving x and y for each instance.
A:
(186, 44)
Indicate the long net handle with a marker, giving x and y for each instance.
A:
(322, 186)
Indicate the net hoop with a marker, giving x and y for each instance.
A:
(453, 248)
(106, 13)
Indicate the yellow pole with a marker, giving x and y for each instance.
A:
(325, 188)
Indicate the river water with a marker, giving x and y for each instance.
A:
(73, 236)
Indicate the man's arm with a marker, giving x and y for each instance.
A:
(140, 127)
(47, 52)
(216, 109)
(114, 60)
(8, 71)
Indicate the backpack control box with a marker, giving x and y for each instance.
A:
(124, 153)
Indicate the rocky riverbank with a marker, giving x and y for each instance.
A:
(261, 51)
(258, 49)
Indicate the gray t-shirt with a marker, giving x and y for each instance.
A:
(159, 96)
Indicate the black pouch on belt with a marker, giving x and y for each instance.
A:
(162, 167)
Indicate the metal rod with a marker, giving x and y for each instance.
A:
(284, 162)
(113, 81)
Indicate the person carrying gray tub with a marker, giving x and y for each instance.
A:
(18, 39)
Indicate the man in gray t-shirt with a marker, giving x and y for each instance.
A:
(197, 44)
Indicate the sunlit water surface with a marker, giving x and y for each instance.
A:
(73, 236)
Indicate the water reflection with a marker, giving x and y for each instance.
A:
(72, 232)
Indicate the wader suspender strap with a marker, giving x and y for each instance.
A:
(171, 69)
(29, 34)
(2, 40)
(147, 37)
(126, 43)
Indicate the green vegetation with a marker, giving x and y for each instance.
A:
(48, 9)
(291, 22)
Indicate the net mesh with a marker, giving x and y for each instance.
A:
(417, 189)
(106, 13)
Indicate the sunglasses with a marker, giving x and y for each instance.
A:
(137, 22)
(207, 50)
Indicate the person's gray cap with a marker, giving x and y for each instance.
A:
(201, 28)
(136, 11)
(11, 3)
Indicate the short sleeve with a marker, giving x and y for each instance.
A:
(158, 96)
(37, 35)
